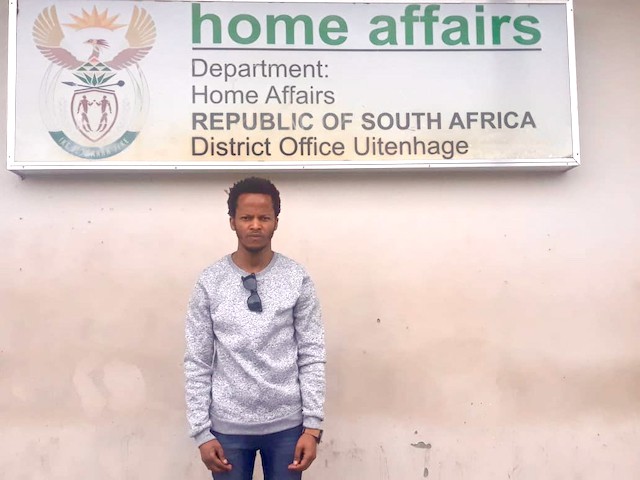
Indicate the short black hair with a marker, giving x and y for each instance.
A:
(253, 185)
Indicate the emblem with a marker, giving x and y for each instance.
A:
(94, 97)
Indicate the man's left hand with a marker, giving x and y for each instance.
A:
(305, 453)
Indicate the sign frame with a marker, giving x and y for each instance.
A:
(561, 163)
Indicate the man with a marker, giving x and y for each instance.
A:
(254, 361)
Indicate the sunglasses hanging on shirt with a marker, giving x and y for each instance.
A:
(253, 302)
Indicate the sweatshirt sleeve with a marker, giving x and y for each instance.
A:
(198, 365)
(311, 354)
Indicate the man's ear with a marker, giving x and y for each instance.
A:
(232, 223)
(276, 227)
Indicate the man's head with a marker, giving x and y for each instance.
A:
(254, 206)
(253, 185)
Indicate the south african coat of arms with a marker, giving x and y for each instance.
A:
(94, 97)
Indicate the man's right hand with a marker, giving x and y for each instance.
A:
(213, 457)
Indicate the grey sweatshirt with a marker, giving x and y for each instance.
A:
(253, 373)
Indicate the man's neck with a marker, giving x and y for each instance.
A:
(252, 262)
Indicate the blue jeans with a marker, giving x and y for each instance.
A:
(276, 451)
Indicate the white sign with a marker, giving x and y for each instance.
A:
(216, 85)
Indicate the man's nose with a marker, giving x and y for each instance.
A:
(255, 224)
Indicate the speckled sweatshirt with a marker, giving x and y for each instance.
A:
(253, 372)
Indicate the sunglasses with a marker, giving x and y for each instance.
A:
(253, 302)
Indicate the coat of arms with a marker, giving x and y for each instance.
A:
(94, 97)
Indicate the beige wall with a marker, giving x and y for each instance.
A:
(493, 316)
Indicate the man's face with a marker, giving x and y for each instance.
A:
(254, 221)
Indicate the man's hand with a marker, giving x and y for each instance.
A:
(213, 457)
(305, 453)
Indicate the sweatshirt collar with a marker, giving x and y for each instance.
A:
(261, 273)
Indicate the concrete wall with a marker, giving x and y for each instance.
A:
(480, 325)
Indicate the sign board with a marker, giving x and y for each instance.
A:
(241, 85)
